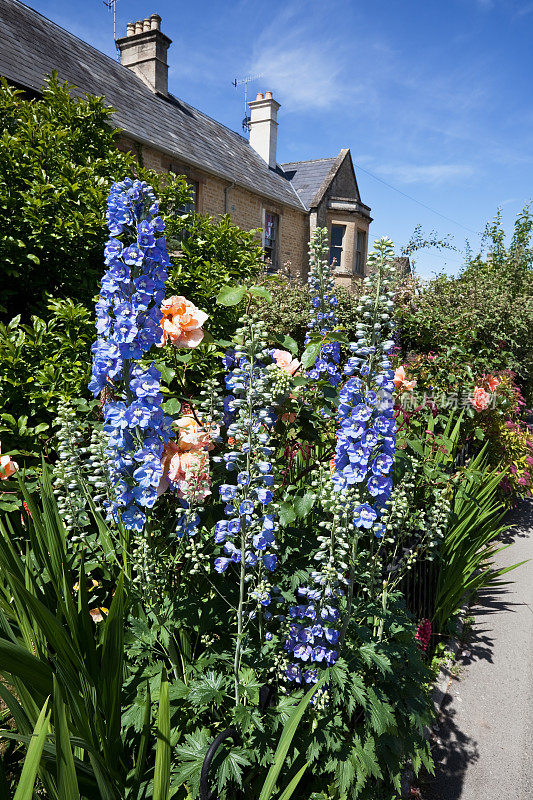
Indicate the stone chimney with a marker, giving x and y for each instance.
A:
(144, 51)
(264, 127)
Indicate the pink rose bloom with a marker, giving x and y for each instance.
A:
(400, 380)
(182, 322)
(492, 382)
(481, 399)
(286, 362)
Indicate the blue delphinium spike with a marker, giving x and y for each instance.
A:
(128, 325)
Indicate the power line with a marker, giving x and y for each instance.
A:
(433, 210)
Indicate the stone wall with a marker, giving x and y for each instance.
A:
(217, 196)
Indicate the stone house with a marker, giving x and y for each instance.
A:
(228, 173)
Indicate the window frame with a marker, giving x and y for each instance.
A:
(274, 248)
(359, 265)
(192, 207)
(341, 226)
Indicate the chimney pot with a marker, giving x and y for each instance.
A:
(264, 127)
(144, 51)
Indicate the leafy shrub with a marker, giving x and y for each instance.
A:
(207, 254)
(483, 319)
(289, 310)
(42, 362)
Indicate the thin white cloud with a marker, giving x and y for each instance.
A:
(302, 76)
(425, 173)
(299, 62)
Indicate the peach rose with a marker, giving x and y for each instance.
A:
(182, 322)
(288, 417)
(190, 472)
(400, 380)
(481, 399)
(8, 467)
(193, 436)
(286, 362)
(492, 383)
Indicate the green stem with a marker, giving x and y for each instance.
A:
(242, 583)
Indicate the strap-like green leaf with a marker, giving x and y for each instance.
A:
(17, 661)
(162, 751)
(289, 791)
(113, 664)
(143, 744)
(67, 782)
(33, 756)
(285, 740)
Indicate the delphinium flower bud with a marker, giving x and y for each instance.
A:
(70, 473)
(128, 325)
(247, 534)
(366, 436)
(323, 303)
(355, 494)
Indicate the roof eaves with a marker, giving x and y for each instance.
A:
(300, 201)
(210, 171)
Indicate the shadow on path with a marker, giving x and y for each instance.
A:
(454, 750)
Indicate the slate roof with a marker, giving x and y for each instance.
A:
(307, 177)
(31, 46)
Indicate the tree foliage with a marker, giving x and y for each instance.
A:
(58, 157)
(486, 313)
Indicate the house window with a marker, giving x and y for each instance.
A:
(336, 245)
(360, 254)
(190, 207)
(270, 239)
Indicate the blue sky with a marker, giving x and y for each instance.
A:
(432, 98)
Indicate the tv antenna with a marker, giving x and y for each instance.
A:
(245, 81)
(112, 6)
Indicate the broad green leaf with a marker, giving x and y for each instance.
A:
(172, 406)
(286, 513)
(311, 354)
(260, 291)
(303, 505)
(231, 295)
(289, 344)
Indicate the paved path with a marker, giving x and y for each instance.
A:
(484, 740)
